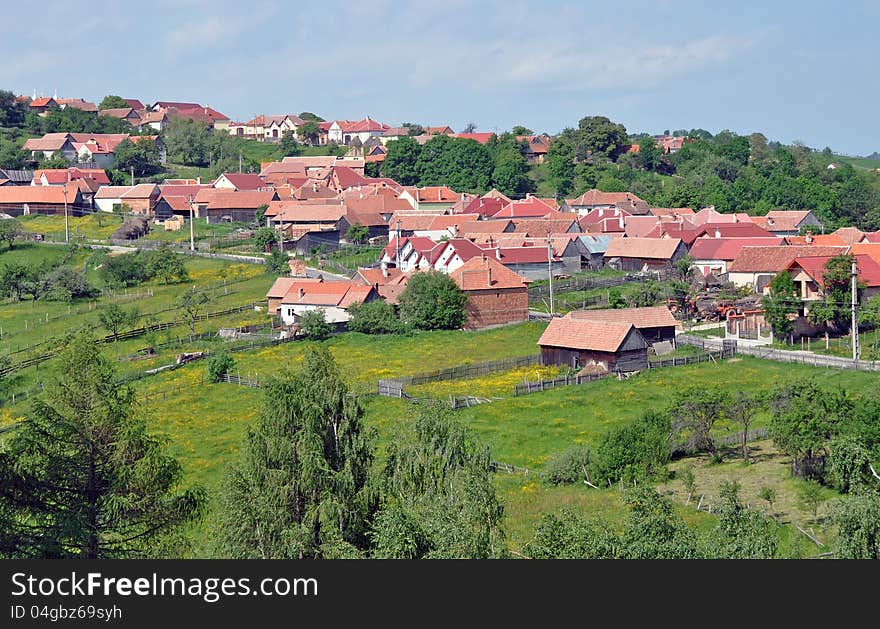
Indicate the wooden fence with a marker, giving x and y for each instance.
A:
(562, 381)
(680, 361)
(588, 283)
(758, 434)
(466, 371)
(507, 468)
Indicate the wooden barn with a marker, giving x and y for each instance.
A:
(655, 323)
(611, 346)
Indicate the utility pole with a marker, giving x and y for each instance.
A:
(397, 242)
(855, 322)
(550, 270)
(66, 223)
(192, 220)
(132, 175)
(239, 163)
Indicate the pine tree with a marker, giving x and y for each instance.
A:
(82, 478)
(302, 487)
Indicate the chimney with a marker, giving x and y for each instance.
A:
(498, 252)
(717, 233)
(616, 212)
(620, 220)
(601, 212)
(489, 274)
(809, 238)
(301, 293)
(384, 267)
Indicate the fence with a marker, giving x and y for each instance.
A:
(680, 361)
(803, 358)
(562, 381)
(498, 466)
(587, 283)
(758, 434)
(462, 371)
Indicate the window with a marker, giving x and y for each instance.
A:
(239, 131)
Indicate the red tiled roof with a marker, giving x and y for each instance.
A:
(871, 249)
(42, 101)
(296, 211)
(531, 207)
(134, 103)
(850, 235)
(347, 178)
(341, 293)
(482, 138)
(484, 227)
(728, 248)
(542, 226)
(649, 248)
(597, 197)
(868, 268)
(600, 336)
(650, 317)
(832, 240)
(78, 103)
(482, 272)
(781, 220)
(233, 199)
(245, 181)
(39, 194)
(519, 255)
(775, 259)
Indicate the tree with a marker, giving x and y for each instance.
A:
(65, 284)
(401, 161)
(740, 533)
(869, 315)
(857, 518)
(834, 309)
(12, 155)
(191, 304)
(309, 132)
(649, 155)
(653, 531)
(288, 146)
(694, 413)
(264, 238)
(12, 110)
(521, 130)
(56, 162)
(782, 302)
(569, 466)
(849, 463)
(357, 233)
(260, 215)
(511, 173)
(13, 278)
(128, 269)
(374, 317)
(569, 535)
(139, 154)
(187, 142)
(432, 301)
(313, 324)
(114, 317)
(82, 478)
(689, 480)
(638, 450)
(302, 487)
(768, 494)
(597, 134)
(111, 101)
(10, 231)
(278, 262)
(469, 127)
(167, 266)
(219, 365)
(810, 496)
(413, 129)
(741, 413)
(307, 115)
(440, 501)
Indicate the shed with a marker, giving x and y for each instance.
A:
(655, 323)
(578, 343)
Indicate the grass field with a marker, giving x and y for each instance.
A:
(97, 226)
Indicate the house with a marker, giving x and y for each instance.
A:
(278, 290)
(50, 145)
(156, 120)
(871, 249)
(596, 199)
(98, 149)
(788, 222)
(482, 138)
(496, 295)
(850, 235)
(594, 246)
(131, 116)
(832, 240)
(755, 267)
(389, 282)
(240, 181)
(712, 255)
(333, 298)
(266, 128)
(449, 255)
(600, 346)
(655, 323)
(808, 271)
(430, 197)
(346, 131)
(536, 227)
(26, 200)
(536, 147)
(405, 253)
(224, 205)
(15, 177)
(311, 226)
(60, 176)
(77, 103)
(690, 233)
(211, 118)
(670, 144)
(644, 254)
(530, 207)
(532, 261)
(42, 105)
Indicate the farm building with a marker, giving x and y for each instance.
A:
(654, 323)
(599, 344)
(334, 298)
(644, 254)
(496, 295)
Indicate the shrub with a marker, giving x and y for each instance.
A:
(569, 466)
(374, 317)
(66, 284)
(219, 364)
(129, 269)
(640, 449)
(314, 325)
(433, 301)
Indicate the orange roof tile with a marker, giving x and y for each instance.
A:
(650, 317)
(485, 273)
(600, 336)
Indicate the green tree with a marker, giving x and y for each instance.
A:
(219, 364)
(166, 265)
(278, 262)
(432, 301)
(13, 278)
(440, 501)
(598, 134)
(10, 231)
(114, 318)
(653, 531)
(521, 130)
(11, 155)
(357, 233)
(694, 412)
(129, 269)
(191, 305)
(288, 146)
(313, 324)
(810, 496)
(12, 110)
(857, 518)
(260, 215)
(649, 155)
(111, 101)
(462, 164)
(82, 478)
(309, 132)
(56, 162)
(401, 161)
(849, 463)
(570, 535)
(569, 466)
(834, 310)
(142, 155)
(638, 450)
(65, 284)
(742, 411)
(511, 173)
(869, 315)
(740, 533)
(187, 142)
(374, 317)
(782, 302)
(264, 238)
(302, 487)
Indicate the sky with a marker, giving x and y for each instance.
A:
(793, 70)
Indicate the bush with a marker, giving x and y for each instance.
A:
(637, 450)
(569, 466)
(129, 269)
(374, 317)
(66, 284)
(314, 325)
(433, 301)
(218, 365)
(167, 266)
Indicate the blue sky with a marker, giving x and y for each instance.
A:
(792, 70)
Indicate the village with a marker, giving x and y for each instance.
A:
(527, 314)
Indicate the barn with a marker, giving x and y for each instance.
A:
(655, 323)
(612, 346)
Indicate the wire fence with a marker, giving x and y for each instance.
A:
(588, 283)
(461, 371)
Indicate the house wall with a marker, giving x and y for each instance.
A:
(291, 313)
(106, 205)
(536, 270)
(664, 333)
(756, 281)
(627, 360)
(243, 215)
(140, 206)
(497, 307)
